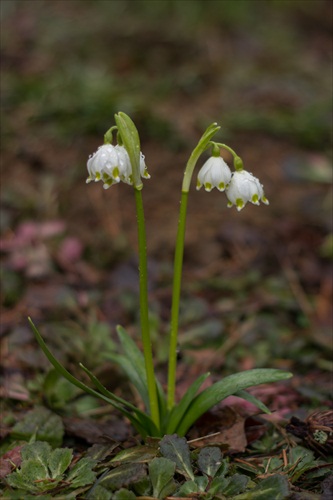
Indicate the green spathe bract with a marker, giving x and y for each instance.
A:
(131, 141)
(162, 414)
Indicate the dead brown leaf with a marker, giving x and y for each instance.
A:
(220, 427)
(10, 460)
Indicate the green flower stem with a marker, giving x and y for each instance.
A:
(202, 145)
(108, 136)
(238, 163)
(144, 310)
(228, 148)
(177, 280)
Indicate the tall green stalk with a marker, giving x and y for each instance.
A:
(177, 281)
(144, 310)
(129, 136)
(178, 260)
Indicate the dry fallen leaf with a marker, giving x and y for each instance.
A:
(10, 460)
(220, 427)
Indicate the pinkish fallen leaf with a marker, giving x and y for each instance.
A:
(10, 460)
(70, 250)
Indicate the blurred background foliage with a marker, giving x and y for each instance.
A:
(259, 65)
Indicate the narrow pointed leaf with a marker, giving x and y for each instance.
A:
(133, 364)
(104, 390)
(145, 420)
(58, 366)
(132, 375)
(226, 387)
(179, 410)
(252, 399)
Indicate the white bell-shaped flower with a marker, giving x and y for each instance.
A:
(102, 162)
(111, 164)
(244, 187)
(214, 173)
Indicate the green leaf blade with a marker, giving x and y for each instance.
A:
(209, 460)
(175, 448)
(161, 472)
(58, 461)
(226, 387)
(44, 425)
(82, 474)
(142, 422)
(179, 410)
(133, 364)
(123, 476)
(275, 486)
(252, 399)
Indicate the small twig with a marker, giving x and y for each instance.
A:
(203, 437)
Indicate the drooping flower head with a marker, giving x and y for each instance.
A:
(111, 164)
(244, 187)
(240, 186)
(214, 173)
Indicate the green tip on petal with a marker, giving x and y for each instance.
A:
(107, 178)
(115, 173)
(265, 200)
(107, 184)
(221, 186)
(255, 199)
(208, 186)
(239, 204)
(229, 204)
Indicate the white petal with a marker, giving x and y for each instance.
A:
(214, 173)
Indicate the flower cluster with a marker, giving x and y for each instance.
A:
(111, 164)
(240, 186)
